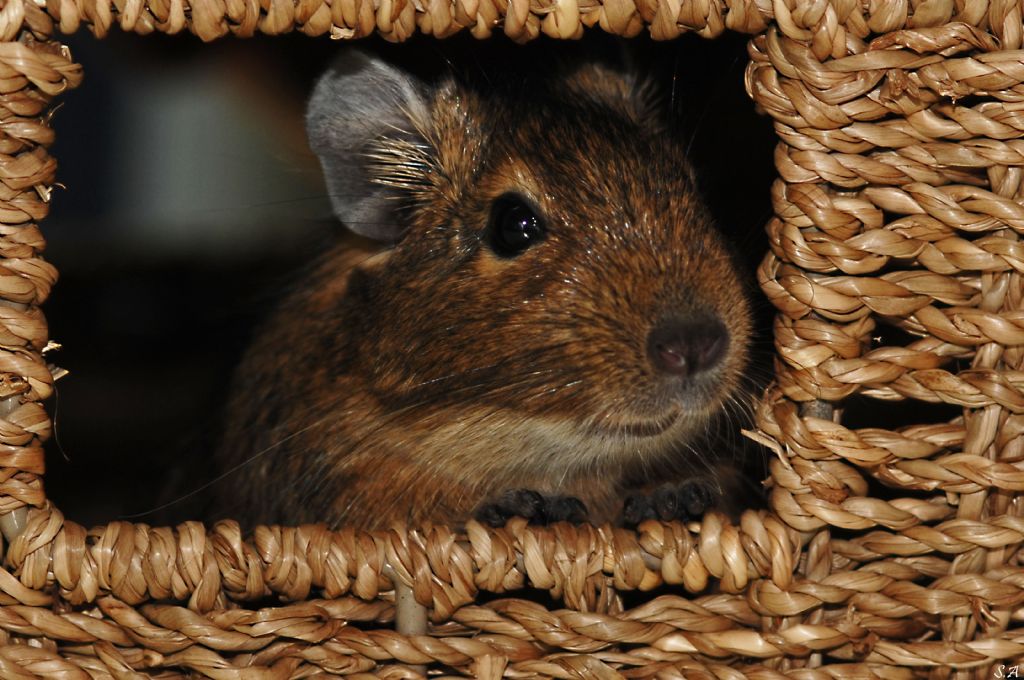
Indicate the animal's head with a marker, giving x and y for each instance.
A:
(550, 266)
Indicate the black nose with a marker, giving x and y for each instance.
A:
(686, 348)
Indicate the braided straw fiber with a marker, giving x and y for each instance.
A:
(899, 207)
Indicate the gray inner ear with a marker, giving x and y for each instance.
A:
(355, 104)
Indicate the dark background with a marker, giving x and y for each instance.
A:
(191, 201)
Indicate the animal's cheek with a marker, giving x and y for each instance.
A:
(489, 267)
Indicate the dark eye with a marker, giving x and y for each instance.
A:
(514, 226)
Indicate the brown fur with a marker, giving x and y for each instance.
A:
(416, 382)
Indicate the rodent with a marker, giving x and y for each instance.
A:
(547, 322)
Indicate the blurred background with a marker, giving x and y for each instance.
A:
(191, 201)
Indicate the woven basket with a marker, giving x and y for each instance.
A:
(895, 265)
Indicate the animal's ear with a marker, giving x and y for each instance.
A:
(364, 117)
(622, 87)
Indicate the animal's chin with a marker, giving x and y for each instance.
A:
(633, 427)
(646, 426)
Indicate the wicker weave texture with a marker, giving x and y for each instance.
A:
(895, 267)
(399, 19)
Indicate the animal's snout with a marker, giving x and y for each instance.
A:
(686, 348)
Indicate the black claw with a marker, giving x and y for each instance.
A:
(636, 509)
(685, 501)
(532, 506)
(696, 497)
(666, 503)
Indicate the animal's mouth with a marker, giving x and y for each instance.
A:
(609, 423)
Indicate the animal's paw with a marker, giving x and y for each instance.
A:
(685, 501)
(533, 506)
